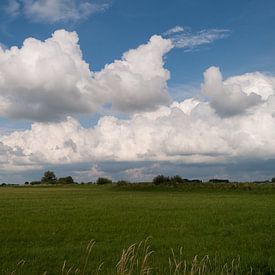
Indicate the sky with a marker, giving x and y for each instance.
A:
(132, 89)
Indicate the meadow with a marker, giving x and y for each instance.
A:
(43, 227)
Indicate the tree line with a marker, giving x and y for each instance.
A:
(49, 178)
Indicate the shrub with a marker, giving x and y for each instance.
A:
(273, 180)
(219, 181)
(35, 182)
(160, 179)
(66, 180)
(123, 183)
(194, 181)
(177, 179)
(102, 181)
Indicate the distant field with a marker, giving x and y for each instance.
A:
(46, 225)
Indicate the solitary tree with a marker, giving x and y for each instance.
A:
(49, 178)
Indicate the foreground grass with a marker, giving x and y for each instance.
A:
(45, 226)
(136, 260)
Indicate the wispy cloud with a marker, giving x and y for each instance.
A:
(12, 8)
(188, 40)
(55, 11)
(174, 30)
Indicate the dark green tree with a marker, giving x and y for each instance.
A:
(49, 178)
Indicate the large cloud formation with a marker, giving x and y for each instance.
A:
(49, 80)
(191, 131)
(235, 122)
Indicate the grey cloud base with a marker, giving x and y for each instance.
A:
(228, 99)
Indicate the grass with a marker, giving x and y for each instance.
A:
(43, 227)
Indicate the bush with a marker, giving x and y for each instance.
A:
(177, 179)
(160, 179)
(219, 181)
(101, 181)
(193, 181)
(35, 182)
(123, 183)
(66, 180)
(273, 180)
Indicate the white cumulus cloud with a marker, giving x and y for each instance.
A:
(191, 131)
(139, 80)
(229, 98)
(48, 80)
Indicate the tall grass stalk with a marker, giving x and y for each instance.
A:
(136, 260)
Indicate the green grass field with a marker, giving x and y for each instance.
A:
(45, 226)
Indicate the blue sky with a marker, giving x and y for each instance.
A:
(107, 29)
(126, 24)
